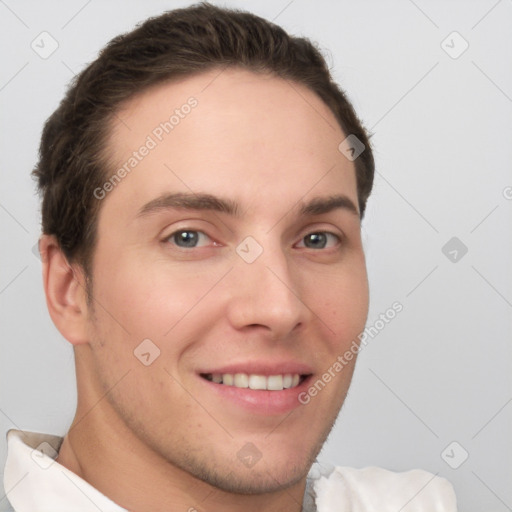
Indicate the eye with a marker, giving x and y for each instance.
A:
(320, 240)
(188, 238)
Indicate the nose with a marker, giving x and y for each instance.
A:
(266, 296)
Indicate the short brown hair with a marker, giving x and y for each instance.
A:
(73, 159)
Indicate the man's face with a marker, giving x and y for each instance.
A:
(271, 290)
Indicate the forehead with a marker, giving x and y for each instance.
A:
(229, 133)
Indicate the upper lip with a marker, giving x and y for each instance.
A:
(262, 368)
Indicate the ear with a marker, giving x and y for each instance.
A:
(64, 287)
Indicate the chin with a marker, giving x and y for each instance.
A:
(267, 472)
(260, 479)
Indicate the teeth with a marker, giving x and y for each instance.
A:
(275, 382)
(257, 382)
(287, 381)
(242, 380)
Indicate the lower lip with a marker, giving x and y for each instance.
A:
(260, 401)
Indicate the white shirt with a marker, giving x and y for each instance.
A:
(34, 482)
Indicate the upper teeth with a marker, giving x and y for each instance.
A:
(243, 380)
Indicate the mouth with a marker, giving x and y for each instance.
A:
(277, 382)
(260, 387)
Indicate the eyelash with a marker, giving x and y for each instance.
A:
(185, 230)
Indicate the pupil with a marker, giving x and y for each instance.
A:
(316, 239)
(187, 238)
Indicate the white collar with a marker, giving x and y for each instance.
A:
(35, 482)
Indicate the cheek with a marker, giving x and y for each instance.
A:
(153, 300)
(340, 299)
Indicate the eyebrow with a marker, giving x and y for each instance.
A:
(190, 201)
(199, 201)
(321, 205)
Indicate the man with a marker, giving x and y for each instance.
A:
(203, 185)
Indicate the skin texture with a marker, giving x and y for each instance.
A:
(155, 437)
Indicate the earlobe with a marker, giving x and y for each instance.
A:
(64, 286)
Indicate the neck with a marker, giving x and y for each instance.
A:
(102, 450)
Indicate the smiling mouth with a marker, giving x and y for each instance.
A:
(257, 382)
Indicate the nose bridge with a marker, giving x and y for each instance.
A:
(267, 292)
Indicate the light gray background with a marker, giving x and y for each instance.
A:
(441, 370)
